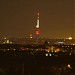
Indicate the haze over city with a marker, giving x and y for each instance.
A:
(18, 18)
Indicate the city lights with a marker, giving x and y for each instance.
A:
(37, 37)
(70, 38)
(69, 66)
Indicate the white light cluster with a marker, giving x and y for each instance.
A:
(37, 26)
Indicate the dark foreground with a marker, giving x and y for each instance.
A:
(36, 63)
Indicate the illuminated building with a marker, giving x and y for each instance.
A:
(30, 36)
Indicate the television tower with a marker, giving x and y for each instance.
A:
(37, 28)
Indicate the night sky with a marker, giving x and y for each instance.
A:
(18, 18)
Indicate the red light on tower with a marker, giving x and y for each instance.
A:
(37, 31)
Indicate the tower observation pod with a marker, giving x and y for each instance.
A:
(37, 28)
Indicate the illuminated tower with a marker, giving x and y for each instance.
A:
(37, 28)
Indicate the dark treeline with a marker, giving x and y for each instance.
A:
(32, 62)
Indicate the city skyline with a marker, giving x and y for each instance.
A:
(18, 18)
